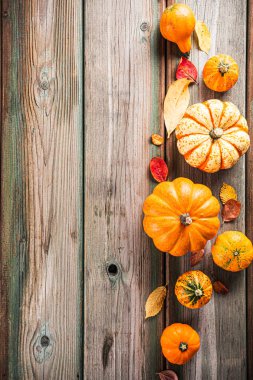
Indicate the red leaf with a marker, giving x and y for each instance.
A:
(196, 257)
(168, 375)
(159, 169)
(186, 69)
(231, 210)
(220, 288)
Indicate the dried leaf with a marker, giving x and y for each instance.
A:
(176, 103)
(157, 139)
(159, 169)
(186, 69)
(231, 210)
(196, 257)
(204, 36)
(227, 192)
(155, 301)
(168, 375)
(220, 288)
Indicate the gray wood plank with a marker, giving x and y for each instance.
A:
(124, 79)
(41, 188)
(221, 323)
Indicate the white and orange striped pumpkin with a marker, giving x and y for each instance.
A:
(212, 135)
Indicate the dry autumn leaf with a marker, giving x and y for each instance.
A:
(159, 169)
(227, 192)
(155, 301)
(176, 103)
(196, 257)
(186, 69)
(204, 36)
(157, 139)
(168, 375)
(231, 210)
(220, 288)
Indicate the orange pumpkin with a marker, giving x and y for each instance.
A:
(181, 216)
(193, 289)
(177, 24)
(212, 135)
(220, 73)
(232, 251)
(179, 343)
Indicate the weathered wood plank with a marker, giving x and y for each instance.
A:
(124, 81)
(249, 190)
(41, 198)
(222, 323)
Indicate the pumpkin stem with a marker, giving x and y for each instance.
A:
(185, 219)
(183, 346)
(198, 292)
(216, 133)
(223, 68)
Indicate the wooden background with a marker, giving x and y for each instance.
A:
(82, 89)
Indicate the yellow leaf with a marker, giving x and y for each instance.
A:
(176, 103)
(155, 301)
(227, 192)
(204, 36)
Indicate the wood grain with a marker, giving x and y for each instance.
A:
(124, 90)
(249, 190)
(222, 323)
(41, 193)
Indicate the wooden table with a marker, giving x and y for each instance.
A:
(82, 91)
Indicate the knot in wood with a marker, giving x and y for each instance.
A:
(44, 85)
(113, 271)
(144, 26)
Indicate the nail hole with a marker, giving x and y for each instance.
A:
(44, 341)
(112, 270)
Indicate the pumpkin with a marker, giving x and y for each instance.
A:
(177, 24)
(232, 251)
(212, 135)
(220, 73)
(179, 343)
(180, 216)
(193, 289)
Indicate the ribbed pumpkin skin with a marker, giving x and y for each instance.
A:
(179, 335)
(164, 209)
(212, 135)
(177, 24)
(220, 73)
(193, 289)
(232, 251)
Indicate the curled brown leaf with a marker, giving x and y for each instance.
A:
(168, 375)
(196, 257)
(157, 139)
(220, 288)
(231, 210)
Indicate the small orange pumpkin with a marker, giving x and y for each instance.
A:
(179, 343)
(232, 251)
(180, 216)
(212, 135)
(177, 24)
(193, 289)
(220, 73)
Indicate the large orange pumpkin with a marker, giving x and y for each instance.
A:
(179, 343)
(180, 216)
(177, 24)
(193, 289)
(232, 251)
(212, 135)
(220, 73)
